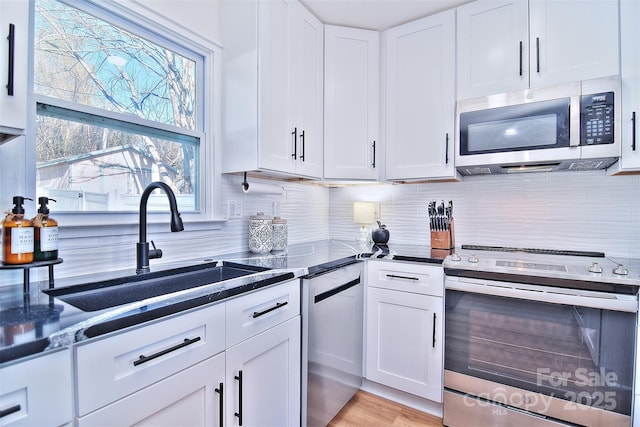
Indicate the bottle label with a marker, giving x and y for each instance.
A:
(48, 239)
(21, 240)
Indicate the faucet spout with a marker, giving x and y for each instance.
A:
(143, 253)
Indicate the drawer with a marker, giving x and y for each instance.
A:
(116, 366)
(409, 277)
(37, 392)
(251, 313)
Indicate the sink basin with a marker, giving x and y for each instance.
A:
(124, 290)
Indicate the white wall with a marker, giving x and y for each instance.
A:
(561, 210)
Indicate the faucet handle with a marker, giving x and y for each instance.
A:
(154, 253)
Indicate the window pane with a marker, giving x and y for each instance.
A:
(90, 167)
(115, 112)
(86, 60)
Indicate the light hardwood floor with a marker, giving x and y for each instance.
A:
(366, 409)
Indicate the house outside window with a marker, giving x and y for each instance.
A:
(117, 107)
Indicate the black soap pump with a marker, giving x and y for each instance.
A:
(45, 233)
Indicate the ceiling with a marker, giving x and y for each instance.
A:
(376, 14)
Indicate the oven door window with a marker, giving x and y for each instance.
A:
(537, 125)
(579, 354)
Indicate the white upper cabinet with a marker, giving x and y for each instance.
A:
(512, 45)
(14, 50)
(420, 98)
(351, 103)
(492, 47)
(630, 59)
(272, 88)
(307, 91)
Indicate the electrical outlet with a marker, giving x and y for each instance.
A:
(234, 209)
(377, 211)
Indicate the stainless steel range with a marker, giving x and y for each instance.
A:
(538, 338)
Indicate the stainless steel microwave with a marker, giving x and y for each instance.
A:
(573, 126)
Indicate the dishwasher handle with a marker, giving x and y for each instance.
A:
(331, 292)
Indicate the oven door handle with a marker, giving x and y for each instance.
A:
(599, 300)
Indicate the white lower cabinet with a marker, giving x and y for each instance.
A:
(193, 397)
(405, 329)
(122, 364)
(37, 392)
(263, 378)
(176, 371)
(263, 357)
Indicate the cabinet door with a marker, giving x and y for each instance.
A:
(193, 397)
(276, 143)
(404, 342)
(263, 378)
(492, 47)
(37, 392)
(420, 98)
(630, 55)
(351, 89)
(14, 23)
(307, 90)
(572, 41)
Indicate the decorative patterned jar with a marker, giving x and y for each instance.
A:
(280, 234)
(260, 233)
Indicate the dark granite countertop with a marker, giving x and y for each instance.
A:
(35, 322)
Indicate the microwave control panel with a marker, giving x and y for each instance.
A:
(596, 119)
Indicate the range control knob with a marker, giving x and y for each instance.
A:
(473, 259)
(620, 270)
(455, 257)
(595, 268)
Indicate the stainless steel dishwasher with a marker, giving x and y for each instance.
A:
(332, 322)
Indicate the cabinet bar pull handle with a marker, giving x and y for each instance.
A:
(538, 54)
(268, 310)
(220, 391)
(12, 47)
(145, 359)
(10, 410)
(633, 131)
(446, 149)
(302, 139)
(520, 58)
(433, 344)
(331, 292)
(239, 413)
(295, 143)
(373, 164)
(395, 276)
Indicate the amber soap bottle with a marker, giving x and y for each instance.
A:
(17, 235)
(45, 232)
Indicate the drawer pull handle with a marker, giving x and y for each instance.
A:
(239, 413)
(145, 359)
(11, 410)
(331, 292)
(268, 310)
(395, 276)
(220, 391)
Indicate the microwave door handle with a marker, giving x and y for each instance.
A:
(574, 121)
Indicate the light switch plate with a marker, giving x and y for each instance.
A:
(234, 209)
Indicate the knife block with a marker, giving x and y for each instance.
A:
(443, 239)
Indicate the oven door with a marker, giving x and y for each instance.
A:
(567, 361)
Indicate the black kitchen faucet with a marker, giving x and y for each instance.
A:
(143, 253)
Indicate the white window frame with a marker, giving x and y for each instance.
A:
(127, 12)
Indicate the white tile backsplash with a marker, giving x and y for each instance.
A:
(571, 210)
(562, 210)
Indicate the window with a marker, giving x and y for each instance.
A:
(117, 108)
